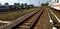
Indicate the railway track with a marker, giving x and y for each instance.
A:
(34, 20)
(28, 24)
(43, 21)
(17, 21)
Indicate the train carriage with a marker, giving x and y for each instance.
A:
(55, 4)
(4, 8)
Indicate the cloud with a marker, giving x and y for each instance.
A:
(8, 1)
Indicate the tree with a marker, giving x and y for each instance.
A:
(42, 4)
(22, 5)
(25, 4)
(46, 4)
(16, 5)
(6, 4)
(32, 5)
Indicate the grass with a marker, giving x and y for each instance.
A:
(10, 16)
(2, 24)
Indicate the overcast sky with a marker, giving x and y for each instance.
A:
(34, 2)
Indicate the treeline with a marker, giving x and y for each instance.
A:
(20, 6)
(44, 4)
(15, 6)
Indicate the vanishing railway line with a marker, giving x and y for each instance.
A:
(19, 20)
(39, 19)
(27, 24)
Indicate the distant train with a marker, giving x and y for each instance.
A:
(55, 4)
(13, 7)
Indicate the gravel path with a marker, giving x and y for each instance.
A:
(43, 22)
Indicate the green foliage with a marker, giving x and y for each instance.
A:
(17, 4)
(6, 4)
(25, 4)
(46, 4)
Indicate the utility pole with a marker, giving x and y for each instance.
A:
(30, 3)
(39, 3)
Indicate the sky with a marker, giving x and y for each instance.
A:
(34, 2)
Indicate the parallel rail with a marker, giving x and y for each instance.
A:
(27, 24)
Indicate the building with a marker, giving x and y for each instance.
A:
(6, 8)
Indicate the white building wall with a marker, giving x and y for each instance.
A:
(59, 1)
(54, 2)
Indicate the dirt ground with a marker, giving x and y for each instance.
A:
(43, 22)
